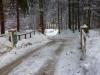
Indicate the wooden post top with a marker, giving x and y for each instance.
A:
(84, 26)
(12, 30)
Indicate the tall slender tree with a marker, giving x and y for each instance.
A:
(17, 15)
(59, 27)
(78, 15)
(69, 13)
(24, 8)
(89, 13)
(2, 17)
(41, 25)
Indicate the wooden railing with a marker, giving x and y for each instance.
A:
(25, 35)
(83, 37)
(14, 37)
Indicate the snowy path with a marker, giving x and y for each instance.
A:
(50, 68)
(5, 70)
(60, 57)
(69, 62)
(66, 60)
(37, 61)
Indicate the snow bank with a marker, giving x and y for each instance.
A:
(91, 64)
(23, 47)
(5, 45)
(51, 32)
(94, 33)
(65, 34)
(37, 38)
(5, 42)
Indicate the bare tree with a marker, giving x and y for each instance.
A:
(69, 13)
(2, 18)
(24, 8)
(89, 13)
(41, 25)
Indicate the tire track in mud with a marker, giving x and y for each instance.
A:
(5, 70)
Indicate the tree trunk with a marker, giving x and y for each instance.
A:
(89, 18)
(62, 18)
(59, 17)
(2, 18)
(41, 25)
(17, 15)
(89, 14)
(69, 13)
(78, 16)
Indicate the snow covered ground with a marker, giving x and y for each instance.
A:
(69, 62)
(23, 47)
(91, 64)
(5, 45)
(41, 56)
(33, 64)
(53, 34)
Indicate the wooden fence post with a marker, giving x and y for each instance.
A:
(13, 36)
(84, 31)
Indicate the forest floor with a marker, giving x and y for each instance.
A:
(56, 55)
(54, 58)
